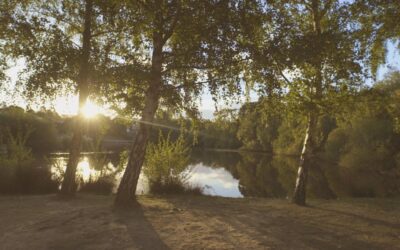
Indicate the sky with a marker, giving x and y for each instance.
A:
(68, 105)
(392, 58)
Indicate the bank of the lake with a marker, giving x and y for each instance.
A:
(186, 222)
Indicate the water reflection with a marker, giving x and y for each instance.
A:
(84, 171)
(215, 181)
(92, 168)
(232, 174)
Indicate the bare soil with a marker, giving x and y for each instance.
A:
(186, 222)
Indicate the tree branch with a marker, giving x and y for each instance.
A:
(327, 6)
(168, 33)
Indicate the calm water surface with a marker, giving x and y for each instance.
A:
(233, 174)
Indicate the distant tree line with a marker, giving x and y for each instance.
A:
(47, 132)
(368, 120)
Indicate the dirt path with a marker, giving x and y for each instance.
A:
(88, 222)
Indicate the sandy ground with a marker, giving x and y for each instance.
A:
(182, 222)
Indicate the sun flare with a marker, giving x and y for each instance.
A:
(90, 109)
(85, 171)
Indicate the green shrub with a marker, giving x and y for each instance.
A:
(166, 166)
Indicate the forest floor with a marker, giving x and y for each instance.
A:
(186, 222)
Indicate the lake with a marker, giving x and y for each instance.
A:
(234, 174)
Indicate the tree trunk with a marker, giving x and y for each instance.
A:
(309, 145)
(68, 187)
(306, 158)
(127, 188)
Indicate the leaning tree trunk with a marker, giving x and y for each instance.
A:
(306, 158)
(127, 188)
(68, 187)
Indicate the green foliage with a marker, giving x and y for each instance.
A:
(196, 36)
(219, 133)
(290, 136)
(259, 123)
(166, 166)
(335, 145)
(367, 141)
(48, 36)
(20, 172)
(40, 133)
(17, 151)
(261, 128)
(380, 22)
(248, 127)
(166, 159)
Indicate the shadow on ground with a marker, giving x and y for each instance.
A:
(140, 229)
(186, 222)
(83, 223)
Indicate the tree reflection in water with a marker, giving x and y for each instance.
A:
(234, 174)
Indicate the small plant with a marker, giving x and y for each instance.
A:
(18, 154)
(16, 146)
(166, 166)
